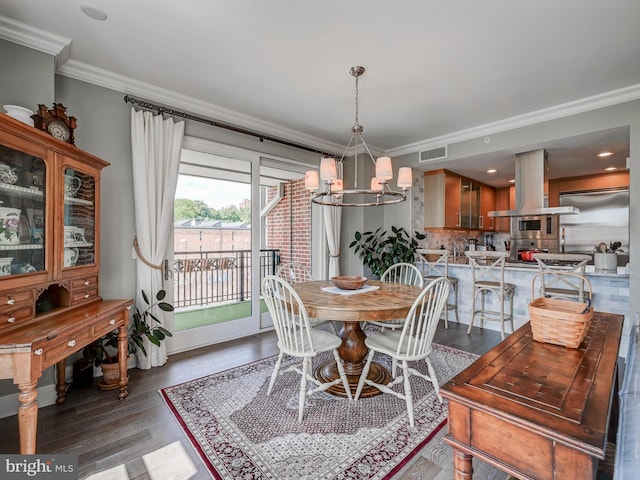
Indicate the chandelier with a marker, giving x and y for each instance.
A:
(379, 191)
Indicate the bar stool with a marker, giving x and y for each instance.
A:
(487, 275)
(435, 264)
(555, 282)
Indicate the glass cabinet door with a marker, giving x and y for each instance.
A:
(79, 218)
(22, 212)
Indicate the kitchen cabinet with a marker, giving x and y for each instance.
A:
(441, 200)
(505, 200)
(487, 204)
(452, 201)
(50, 306)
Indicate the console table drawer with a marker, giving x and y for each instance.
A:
(106, 325)
(55, 349)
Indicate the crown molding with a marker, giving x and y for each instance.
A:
(35, 38)
(107, 79)
(595, 102)
(58, 46)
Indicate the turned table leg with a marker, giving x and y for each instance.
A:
(122, 360)
(28, 417)
(462, 465)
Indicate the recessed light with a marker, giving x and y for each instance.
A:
(605, 154)
(610, 169)
(93, 12)
(492, 170)
(513, 180)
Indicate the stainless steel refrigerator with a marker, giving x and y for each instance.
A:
(603, 217)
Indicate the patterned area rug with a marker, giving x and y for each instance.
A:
(240, 433)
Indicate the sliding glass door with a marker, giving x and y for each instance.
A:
(238, 215)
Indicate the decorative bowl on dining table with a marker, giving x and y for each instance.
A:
(348, 282)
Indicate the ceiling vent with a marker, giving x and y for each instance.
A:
(433, 154)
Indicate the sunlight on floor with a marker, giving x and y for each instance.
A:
(166, 463)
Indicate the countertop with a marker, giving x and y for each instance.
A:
(533, 266)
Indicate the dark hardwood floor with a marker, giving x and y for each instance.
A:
(106, 432)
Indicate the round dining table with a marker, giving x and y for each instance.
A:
(388, 302)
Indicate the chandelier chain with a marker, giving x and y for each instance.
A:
(357, 110)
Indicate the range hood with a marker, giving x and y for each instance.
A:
(531, 183)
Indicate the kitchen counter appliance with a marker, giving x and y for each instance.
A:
(538, 233)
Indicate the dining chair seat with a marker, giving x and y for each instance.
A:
(319, 340)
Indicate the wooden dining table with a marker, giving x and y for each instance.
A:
(390, 301)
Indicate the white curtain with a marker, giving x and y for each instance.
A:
(332, 224)
(156, 145)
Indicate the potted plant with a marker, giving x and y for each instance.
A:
(143, 324)
(378, 250)
(605, 258)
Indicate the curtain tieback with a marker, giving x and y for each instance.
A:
(141, 257)
(336, 255)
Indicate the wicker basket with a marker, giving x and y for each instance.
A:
(560, 322)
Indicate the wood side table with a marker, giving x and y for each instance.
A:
(535, 410)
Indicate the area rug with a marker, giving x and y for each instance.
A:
(240, 433)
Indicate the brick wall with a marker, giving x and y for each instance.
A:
(288, 229)
(211, 239)
(289, 224)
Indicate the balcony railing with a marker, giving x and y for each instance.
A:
(223, 276)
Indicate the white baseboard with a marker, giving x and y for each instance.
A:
(9, 403)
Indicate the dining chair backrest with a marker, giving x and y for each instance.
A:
(554, 268)
(289, 316)
(406, 273)
(434, 263)
(294, 272)
(487, 266)
(422, 320)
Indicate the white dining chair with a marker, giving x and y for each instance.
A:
(412, 343)
(294, 272)
(296, 338)
(406, 273)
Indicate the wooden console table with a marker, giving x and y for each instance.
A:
(534, 410)
(26, 351)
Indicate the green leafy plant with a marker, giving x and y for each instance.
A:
(612, 248)
(143, 324)
(379, 250)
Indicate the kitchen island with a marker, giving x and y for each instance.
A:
(610, 293)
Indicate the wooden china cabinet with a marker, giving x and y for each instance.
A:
(50, 305)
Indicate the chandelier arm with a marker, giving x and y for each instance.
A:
(392, 198)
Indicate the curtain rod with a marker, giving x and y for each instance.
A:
(188, 116)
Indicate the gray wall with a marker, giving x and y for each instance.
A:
(27, 76)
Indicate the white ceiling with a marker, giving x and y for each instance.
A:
(434, 68)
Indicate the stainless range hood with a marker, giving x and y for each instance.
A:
(531, 182)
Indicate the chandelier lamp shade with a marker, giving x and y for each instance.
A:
(327, 187)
